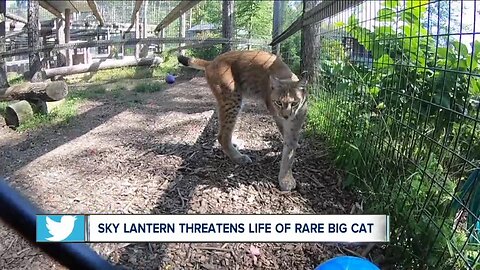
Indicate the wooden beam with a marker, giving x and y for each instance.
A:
(132, 41)
(16, 18)
(136, 9)
(181, 8)
(51, 9)
(182, 32)
(93, 6)
(68, 18)
(321, 11)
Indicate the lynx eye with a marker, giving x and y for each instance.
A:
(278, 103)
(295, 104)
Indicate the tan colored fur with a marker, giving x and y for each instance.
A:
(264, 76)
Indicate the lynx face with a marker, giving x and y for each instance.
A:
(288, 96)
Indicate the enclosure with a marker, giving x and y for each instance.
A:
(392, 127)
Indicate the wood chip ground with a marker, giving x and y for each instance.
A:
(158, 154)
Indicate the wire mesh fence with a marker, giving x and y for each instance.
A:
(397, 97)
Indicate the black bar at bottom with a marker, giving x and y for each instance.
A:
(20, 214)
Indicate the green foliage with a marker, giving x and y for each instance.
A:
(290, 48)
(15, 78)
(208, 12)
(255, 17)
(391, 125)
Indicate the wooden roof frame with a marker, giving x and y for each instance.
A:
(181, 8)
(51, 9)
(93, 6)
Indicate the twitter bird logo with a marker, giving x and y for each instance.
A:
(60, 230)
(66, 228)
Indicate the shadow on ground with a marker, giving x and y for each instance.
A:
(192, 177)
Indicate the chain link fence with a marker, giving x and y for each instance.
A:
(397, 96)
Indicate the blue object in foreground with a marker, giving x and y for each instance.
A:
(170, 78)
(347, 263)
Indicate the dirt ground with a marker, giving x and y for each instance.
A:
(159, 154)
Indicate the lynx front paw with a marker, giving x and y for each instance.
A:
(292, 145)
(242, 160)
(287, 183)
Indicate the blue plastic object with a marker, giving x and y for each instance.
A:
(170, 78)
(347, 263)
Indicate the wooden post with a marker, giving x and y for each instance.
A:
(162, 35)
(145, 19)
(33, 28)
(109, 48)
(190, 17)
(227, 23)
(61, 55)
(310, 43)
(68, 18)
(278, 12)
(137, 35)
(182, 31)
(3, 66)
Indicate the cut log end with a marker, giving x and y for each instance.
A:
(57, 90)
(18, 113)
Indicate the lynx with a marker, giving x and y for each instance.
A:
(234, 75)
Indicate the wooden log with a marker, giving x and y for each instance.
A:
(107, 64)
(17, 113)
(47, 91)
(45, 107)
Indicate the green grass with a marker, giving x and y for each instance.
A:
(149, 87)
(170, 65)
(3, 106)
(113, 90)
(60, 115)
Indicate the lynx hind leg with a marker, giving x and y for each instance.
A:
(228, 113)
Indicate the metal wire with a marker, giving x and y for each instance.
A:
(401, 111)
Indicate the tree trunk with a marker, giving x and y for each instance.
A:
(227, 23)
(278, 13)
(46, 91)
(310, 43)
(3, 66)
(33, 42)
(107, 64)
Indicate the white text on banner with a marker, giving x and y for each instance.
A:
(238, 228)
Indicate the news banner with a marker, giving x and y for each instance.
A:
(109, 228)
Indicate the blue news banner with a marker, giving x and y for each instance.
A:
(212, 228)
